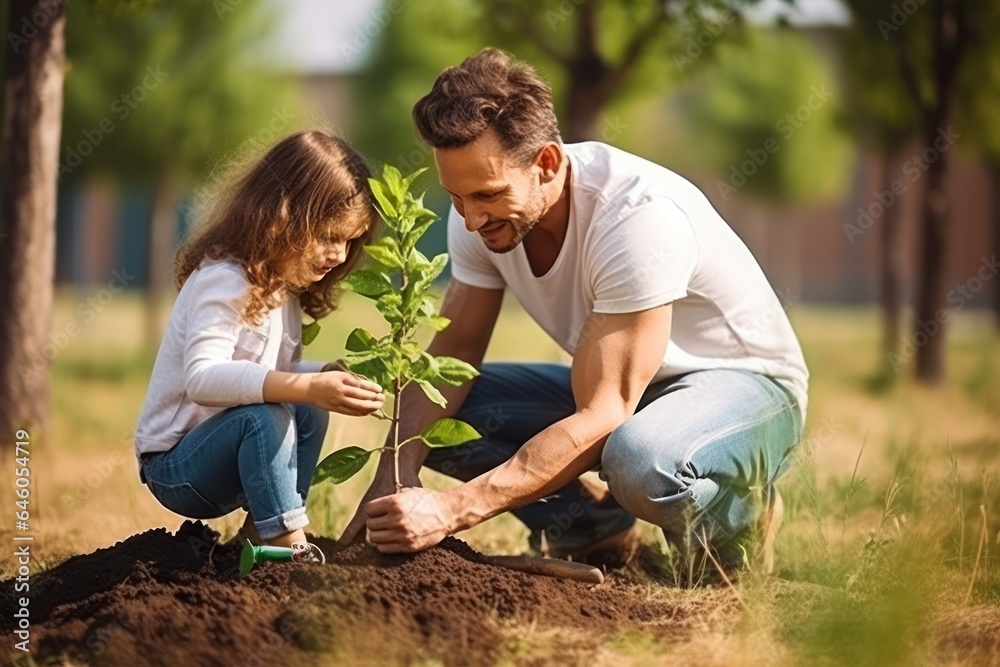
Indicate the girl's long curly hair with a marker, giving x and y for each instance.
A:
(309, 187)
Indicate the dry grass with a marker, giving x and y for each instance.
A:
(861, 579)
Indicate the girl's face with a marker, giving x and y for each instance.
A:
(320, 259)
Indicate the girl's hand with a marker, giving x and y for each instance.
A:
(345, 393)
(337, 365)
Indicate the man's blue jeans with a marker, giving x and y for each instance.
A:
(259, 457)
(692, 456)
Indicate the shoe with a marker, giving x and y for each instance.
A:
(613, 551)
(753, 546)
(307, 552)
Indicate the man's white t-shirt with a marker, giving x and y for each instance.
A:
(641, 236)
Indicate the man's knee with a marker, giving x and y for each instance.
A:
(643, 472)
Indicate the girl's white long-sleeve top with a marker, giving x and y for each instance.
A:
(210, 359)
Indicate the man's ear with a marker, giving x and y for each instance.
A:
(549, 159)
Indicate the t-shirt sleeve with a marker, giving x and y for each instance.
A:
(644, 259)
(211, 376)
(470, 258)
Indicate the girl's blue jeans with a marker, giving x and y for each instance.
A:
(257, 457)
(698, 453)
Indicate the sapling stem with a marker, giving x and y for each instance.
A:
(395, 436)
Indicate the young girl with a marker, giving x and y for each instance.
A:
(233, 417)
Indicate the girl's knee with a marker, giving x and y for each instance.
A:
(272, 425)
(311, 423)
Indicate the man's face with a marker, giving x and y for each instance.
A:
(499, 198)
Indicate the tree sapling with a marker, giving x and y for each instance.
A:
(399, 283)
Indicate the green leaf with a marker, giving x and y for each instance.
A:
(432, 392)
(385, 251)
(429, 316)
(359, 357)
(438, 323)
(417, 264)
(412, 177)
(433, 270)
(389, 305)
(375, 370)
(448, 432)
(422, 219)
(309, 333)
(341, 465)
(360, 340)
(454, 371)
(394, 180)
(427, 306)
(384, 199)
(424, 368)
(371, 283)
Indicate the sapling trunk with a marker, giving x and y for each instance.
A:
(395, 436)
(395, 360)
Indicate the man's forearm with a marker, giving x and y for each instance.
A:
(546, 463)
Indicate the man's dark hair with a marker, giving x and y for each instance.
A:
(489, 91)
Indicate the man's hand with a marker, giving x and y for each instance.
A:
(383, 485)
(410, 520)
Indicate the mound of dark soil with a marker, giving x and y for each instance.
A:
(175, 599)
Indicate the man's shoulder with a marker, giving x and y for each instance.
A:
(614, 177)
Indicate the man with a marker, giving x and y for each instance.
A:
(687, 387)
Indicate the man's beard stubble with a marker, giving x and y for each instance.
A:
(533, 212)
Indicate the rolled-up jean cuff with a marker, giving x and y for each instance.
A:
(283, 523)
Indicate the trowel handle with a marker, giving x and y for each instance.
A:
(550, 567)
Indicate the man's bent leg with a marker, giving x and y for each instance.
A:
(510, 404)
(701, 452)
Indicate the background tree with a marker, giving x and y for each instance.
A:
(202, 91)
(877, 113)
(196, 90)
(33, 80)
(595, 53)
(757, 120)
(979, 117)
(931, 45)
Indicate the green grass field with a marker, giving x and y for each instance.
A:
(890, 552)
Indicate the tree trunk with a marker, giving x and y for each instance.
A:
(929, 329)
(588, 75)
(995, 189)
(949, 40)
(583, 113)
(34, 97)
(892, 269)
(161, 248)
